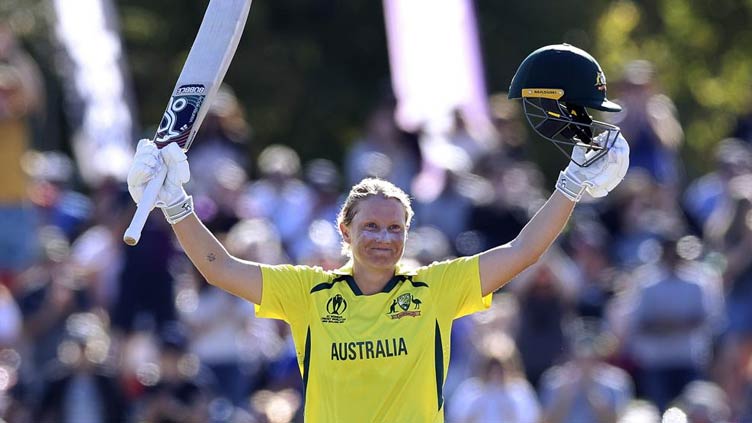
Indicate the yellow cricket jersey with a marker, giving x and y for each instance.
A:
(373, 358)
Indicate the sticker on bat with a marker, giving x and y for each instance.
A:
(177, 122)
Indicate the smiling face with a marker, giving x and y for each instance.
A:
(377, 233)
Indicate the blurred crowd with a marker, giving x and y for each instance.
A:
(641, 310)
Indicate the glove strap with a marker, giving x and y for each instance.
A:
(570, 187)
(179, 211)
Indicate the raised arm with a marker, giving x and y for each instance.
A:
(238, 277)
(500, 264)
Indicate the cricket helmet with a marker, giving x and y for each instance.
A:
(556, 84)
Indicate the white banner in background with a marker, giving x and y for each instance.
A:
(435, 61)
(102, 143)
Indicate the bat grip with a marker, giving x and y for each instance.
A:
(133, 233)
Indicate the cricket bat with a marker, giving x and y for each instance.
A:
(202, 73)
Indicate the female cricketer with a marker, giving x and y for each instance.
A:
(372, 338)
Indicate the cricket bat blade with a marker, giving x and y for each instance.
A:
(203, 72)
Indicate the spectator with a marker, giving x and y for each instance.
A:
(733, 238)
(324, 178)
(321, 246)
(220, 160)
(81, 387)
(97, 254)
(51, 190)
(267, 350)
(648, 120)
(670, 340)
(448, 211)
(384, 151)
(48, 294)
(280, 195)
(146, 299)
(516, 190)
(708, 198)
(544, 307)
(470, 337)
(217, 323)
(256, 239)
(511, 134)
(499, 390)
(181, 391)
(587, 245)
(585, 388)
(460, 135)
(220, 142)
(21, 98)
(637, 214)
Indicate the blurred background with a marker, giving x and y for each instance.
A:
(642, 310)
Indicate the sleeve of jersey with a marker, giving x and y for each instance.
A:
(285, 292)
(458, 285)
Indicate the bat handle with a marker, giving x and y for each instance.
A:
(133, 233)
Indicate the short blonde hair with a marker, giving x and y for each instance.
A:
(371, 187)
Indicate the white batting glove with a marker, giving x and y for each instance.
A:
(178, 173)
(601, 176)
(148, 162)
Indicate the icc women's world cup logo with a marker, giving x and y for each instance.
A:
(335, 307)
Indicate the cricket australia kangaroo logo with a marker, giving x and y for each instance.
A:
(335, 307)
(600, 81)
(402, 305)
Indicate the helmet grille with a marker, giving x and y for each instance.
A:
(568, 125)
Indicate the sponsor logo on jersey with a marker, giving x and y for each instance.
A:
(368, 349)
(405, 302)
(335, 307)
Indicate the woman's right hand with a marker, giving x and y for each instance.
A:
(148, 162)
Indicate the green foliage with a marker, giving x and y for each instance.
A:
(309, 71)
(511, 30)
(702, 56)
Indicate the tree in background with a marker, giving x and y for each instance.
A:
(701, 52)
(310, 71)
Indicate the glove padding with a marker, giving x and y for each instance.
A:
(149, 162)
(605, 173)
